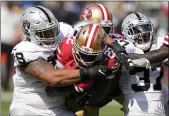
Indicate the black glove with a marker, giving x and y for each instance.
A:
(81, 98)
(100, 71)
(122, 56)
(84, 99)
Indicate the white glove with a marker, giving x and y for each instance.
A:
(141, 62)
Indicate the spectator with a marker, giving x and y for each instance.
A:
(10, 35)
(163, 27)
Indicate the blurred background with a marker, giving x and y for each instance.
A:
(68, 12)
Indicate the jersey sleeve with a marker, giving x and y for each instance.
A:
(110, 57)
(129, 47)
(166, 40)
(64, 52)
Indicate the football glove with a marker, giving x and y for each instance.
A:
(122, 56)
(100, 71)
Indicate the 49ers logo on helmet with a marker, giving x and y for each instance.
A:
(87, 13)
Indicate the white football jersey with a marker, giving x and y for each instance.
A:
(146, 80)
(66, 30)
(142, 87)
(27, 89)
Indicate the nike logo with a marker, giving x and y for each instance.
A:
(101, 72)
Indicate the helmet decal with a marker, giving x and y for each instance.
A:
(26, 26)
(91, 35)
(138, 16)
(87, 13)
(104, 11)
(48, 17)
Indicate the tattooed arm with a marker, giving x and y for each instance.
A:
(46, 72)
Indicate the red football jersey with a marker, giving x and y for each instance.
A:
(64, 52)
(101, 89)
(65, 55)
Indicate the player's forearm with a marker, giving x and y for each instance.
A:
(66, 77)
(153, 56)
(46, 72)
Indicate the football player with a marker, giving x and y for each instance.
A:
(102, 15)
(33, 61)
(85, 50)
(142, 89)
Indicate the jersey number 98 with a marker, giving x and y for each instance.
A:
(20, 58)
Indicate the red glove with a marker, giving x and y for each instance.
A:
(71, 65)
(80, 87)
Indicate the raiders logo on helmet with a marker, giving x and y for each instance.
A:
(26, 26)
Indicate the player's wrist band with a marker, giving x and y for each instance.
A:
(83, 74)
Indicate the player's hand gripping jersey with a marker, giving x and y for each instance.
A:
(101, 89)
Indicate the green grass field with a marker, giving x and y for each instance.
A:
(112, 109)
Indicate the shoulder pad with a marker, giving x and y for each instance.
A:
(26, 52)
(65, 29)
(64, 51)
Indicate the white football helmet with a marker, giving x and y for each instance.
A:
(40, 26)
(77, 26)
(138, 29)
